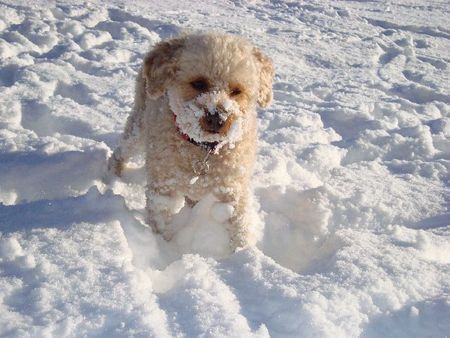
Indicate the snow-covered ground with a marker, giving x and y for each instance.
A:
(351, 183)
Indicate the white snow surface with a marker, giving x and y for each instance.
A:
(351, 182)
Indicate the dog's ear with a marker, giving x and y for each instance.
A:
(265, 78)
(160, 66)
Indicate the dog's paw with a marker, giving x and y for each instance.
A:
(114, 169)
(115, 166)
(167, 234)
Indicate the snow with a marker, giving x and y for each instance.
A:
(351, 184)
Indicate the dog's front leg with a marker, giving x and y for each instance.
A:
(162, 205)
(240, 224)
(130, 141)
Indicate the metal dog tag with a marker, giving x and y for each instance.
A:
(201, 167)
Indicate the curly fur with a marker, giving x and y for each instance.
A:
(226, 62)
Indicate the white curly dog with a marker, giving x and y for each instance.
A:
(195, 116)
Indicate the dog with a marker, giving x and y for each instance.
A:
(194, 115)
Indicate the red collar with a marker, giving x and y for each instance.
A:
(205, 145)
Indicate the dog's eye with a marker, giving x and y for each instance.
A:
(235, 92)
(201, 85)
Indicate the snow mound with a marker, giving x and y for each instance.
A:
(203, 229)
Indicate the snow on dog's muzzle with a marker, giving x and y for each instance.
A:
(210, 117)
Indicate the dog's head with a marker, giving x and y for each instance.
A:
(213, 81)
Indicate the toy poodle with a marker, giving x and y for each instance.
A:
(194, 116)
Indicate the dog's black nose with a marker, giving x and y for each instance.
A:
(213, 121)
